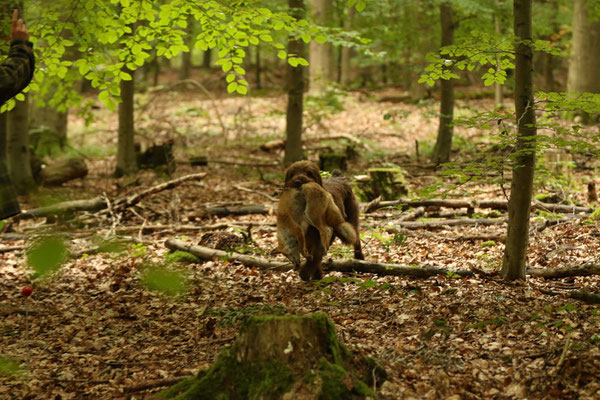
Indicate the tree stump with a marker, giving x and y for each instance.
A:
(331, 161)
(157, 156)
(389, 183)
(62, 171)
(283, 357)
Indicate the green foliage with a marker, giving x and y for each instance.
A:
(105, 41)
(179, 256)
(47, 254)
(489, 243)
(163, 280)
(9, 367)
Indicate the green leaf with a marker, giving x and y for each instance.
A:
(241, 89)
(230, 78)
(282, 54)
(232, 87)
(47, 254)
(306, 38)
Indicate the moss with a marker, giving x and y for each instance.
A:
(489, 243)
(179, 256)
(330, 377)
(228, 379)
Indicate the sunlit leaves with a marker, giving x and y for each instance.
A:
(47, 254)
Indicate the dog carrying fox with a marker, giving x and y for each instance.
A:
(311, 213)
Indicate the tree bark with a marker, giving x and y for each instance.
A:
(186, 56)
(347, 73)
(3, 135)
(498, 88)
(19, 165)
(519, 204)
(206, 58)
(443, 145)
(126, 160)
(584, 74)
(321, 69)
(295, 83)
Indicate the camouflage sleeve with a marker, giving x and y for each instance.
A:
(17, 70)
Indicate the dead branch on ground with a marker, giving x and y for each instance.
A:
(99, 203)
(346, 265)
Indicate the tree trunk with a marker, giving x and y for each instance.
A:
(258, 69)
(206, 59)
(584, 74)
(347, 73)
(186, 56)
(498, 88)
(3, 135)
(126, 160)
(18, 147)
(322, 70)
(519, 203)
(443, 145)
(295, 83)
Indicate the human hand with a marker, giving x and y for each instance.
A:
(19, 29)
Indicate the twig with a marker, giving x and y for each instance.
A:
(563, 355)
(255, 191)
(155, 384)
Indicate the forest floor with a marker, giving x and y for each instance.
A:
(96, 332)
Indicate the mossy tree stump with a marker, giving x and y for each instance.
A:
(331, 161)
(283, 357)
(389, 183)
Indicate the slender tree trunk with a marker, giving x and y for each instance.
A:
(126, 160)
(3, 135)
(519, 203)
(295, 87)
(584, 73)
(19, 166)
(206, 59)
(258, 69)
(321, 69)
(498, 88)
(346, 73)
(186, 57)
(443, 145)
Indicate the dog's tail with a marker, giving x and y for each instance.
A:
(346, 232)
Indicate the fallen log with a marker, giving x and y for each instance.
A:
(222, 211)
(412, 225)
(99, 203)
(566, 272)
(581, 295)
(346, 265)
(59, 172)
(472, 204)
(280, 143)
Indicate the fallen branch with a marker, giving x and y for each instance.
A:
(555, 273)
(100, 203)
(222, 211)
(279, 143)
(155, 384)
(581, 295)
(489, 204)
(441, 223)
(347, 265)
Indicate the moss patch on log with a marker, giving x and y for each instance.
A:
(282, 357)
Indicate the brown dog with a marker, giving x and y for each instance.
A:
(309, 205)
(297, 177)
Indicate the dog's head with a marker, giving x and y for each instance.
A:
(302, 172)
